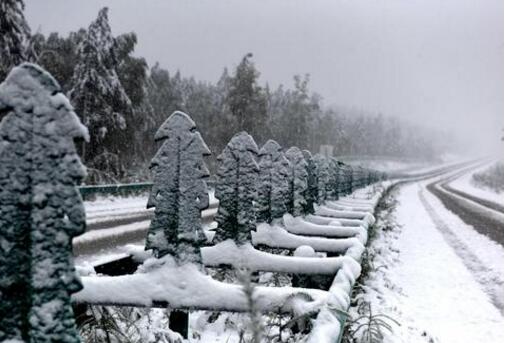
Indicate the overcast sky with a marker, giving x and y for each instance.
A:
(436, 62)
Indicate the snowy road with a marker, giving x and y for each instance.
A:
(443, 280)
(484, 216)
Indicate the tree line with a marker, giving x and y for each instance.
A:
(122, 100)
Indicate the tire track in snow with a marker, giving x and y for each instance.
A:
(491, 283)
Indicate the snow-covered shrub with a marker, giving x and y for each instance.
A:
(297, 181)
(273, 189)
(179, 190)
(312, 190)
(322, 177)
(491, 178)
(40, 208)
(237, 176)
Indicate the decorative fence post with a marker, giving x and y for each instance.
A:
(297, 181)
(273, 186)
(40, 208)
(179, 191)
(323, 177)
(312, 192)
(237, 176)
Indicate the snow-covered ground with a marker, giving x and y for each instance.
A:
(465, 184)
(439, 278)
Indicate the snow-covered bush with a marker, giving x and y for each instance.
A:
(297, 181)
(491, 178)
(179, 190)
(273, 189)
(40, 208)
(312, 191)
(237, 176)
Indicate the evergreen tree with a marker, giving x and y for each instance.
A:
(273, 189)
(297, 181)
(311, 195)
(14, 35)
(237, 176)
(98, 94)
(41, 209)
(179, 190)
(247, 101)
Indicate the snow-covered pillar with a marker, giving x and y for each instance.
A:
(237, 178)
(323, 177)
(312, 191)
(40, 208)
(273, 187)
(179, 190)
(297, 181)
(332, 186)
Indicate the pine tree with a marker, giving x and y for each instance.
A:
(237, 176)
(40, 208)
(98, 94)
(179, 190)
(311, 194)
(247, 101)
(14, 35)
(273, 189)
(297, 181)
(323, 177)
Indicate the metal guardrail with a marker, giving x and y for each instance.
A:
(89, 192)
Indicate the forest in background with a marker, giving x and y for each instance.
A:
(122, 100)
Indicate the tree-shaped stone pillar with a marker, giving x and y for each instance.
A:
(311, 193)
(273, 189)
(323, 177)
(179, 190)
(237, 176)
(332, 185)
(40, 208)
(297, 181)
(342, 179)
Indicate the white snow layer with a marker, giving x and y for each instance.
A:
(426, 285)
(245, 256)
(162, 281)
(465, 184)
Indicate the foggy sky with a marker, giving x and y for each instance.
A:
(434, 62)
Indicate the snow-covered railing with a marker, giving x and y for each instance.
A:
(42, 211)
